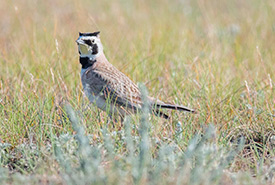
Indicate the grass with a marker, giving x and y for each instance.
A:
(215, 56)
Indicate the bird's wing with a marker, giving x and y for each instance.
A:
(114, 86)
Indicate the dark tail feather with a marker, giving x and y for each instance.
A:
(175, 107)
(161, 114)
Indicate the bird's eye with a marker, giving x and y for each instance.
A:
(93, 41)
(88, 42)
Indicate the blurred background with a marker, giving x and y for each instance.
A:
(172, 33)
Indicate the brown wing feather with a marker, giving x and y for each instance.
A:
(114, 85)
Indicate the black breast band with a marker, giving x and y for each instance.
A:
(86, 62)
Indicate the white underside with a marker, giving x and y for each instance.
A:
(101, 103)
(98, 101)
(82, 72)
(88, 92)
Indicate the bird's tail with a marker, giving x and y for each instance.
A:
(175, 107)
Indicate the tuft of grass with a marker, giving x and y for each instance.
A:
(142, 161)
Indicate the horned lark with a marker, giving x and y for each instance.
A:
(107, 87)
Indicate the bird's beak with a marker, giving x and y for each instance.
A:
(79, 41)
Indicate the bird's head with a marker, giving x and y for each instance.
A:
(89, 45)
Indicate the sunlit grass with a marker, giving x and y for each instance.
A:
(216, 57)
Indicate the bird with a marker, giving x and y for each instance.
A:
(110, 89)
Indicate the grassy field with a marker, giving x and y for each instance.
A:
(215, 56)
